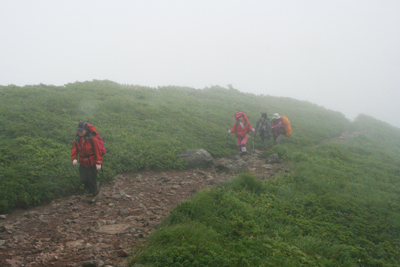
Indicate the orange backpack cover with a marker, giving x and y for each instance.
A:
(288, 127)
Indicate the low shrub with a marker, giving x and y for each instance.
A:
(281, 150)
(246, 182)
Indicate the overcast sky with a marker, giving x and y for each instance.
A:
(343, 55)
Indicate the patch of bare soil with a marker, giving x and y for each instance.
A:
(71, 232)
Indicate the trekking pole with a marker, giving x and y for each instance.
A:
(253, 144)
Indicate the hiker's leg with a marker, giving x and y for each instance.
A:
(279, 139)
(238, 143)
(243, 143)
(92, 184)
(244, 140)
(83, 173)
(265, 143)
(262, 140)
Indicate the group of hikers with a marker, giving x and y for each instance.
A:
(88, 144)
(264, 127)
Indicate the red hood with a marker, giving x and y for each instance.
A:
(241, 113)
(238, 114)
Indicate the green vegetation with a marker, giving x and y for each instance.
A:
(142, 128)
(339, 206)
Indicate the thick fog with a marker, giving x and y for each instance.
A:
(343, 55)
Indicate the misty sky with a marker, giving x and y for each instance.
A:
(343, 55)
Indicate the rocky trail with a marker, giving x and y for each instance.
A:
(71, 232)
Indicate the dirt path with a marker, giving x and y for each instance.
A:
(71, 232)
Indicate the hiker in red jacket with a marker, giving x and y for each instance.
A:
(87, 146)
(241, 127)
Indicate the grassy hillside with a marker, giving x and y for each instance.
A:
(339, 206)
(142, 128)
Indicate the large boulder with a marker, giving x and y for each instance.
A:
(197, 158)
(232, 166)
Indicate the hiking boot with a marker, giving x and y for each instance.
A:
(91, 198)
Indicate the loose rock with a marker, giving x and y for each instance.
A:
(197, 158)
(113, 229)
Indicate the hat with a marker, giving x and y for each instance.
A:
(276, 116)
(82, 126)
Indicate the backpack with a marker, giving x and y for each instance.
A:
(288, 127)
(94, 132)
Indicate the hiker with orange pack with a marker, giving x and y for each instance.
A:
(280, 128)
(241, 127)
(88, 144)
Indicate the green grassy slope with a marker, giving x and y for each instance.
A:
(339, 206)
(142, 128)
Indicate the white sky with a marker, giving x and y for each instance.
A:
(340, 54)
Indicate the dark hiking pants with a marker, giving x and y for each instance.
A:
(265, 141)
(88, 178)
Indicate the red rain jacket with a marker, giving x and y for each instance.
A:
(88, 155)
(238, 129)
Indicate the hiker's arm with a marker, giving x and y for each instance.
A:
(269, 129)
(279, 128)
(278, 125)
(251, 129)
(233, 128)
(97, 151)
(74, 152)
